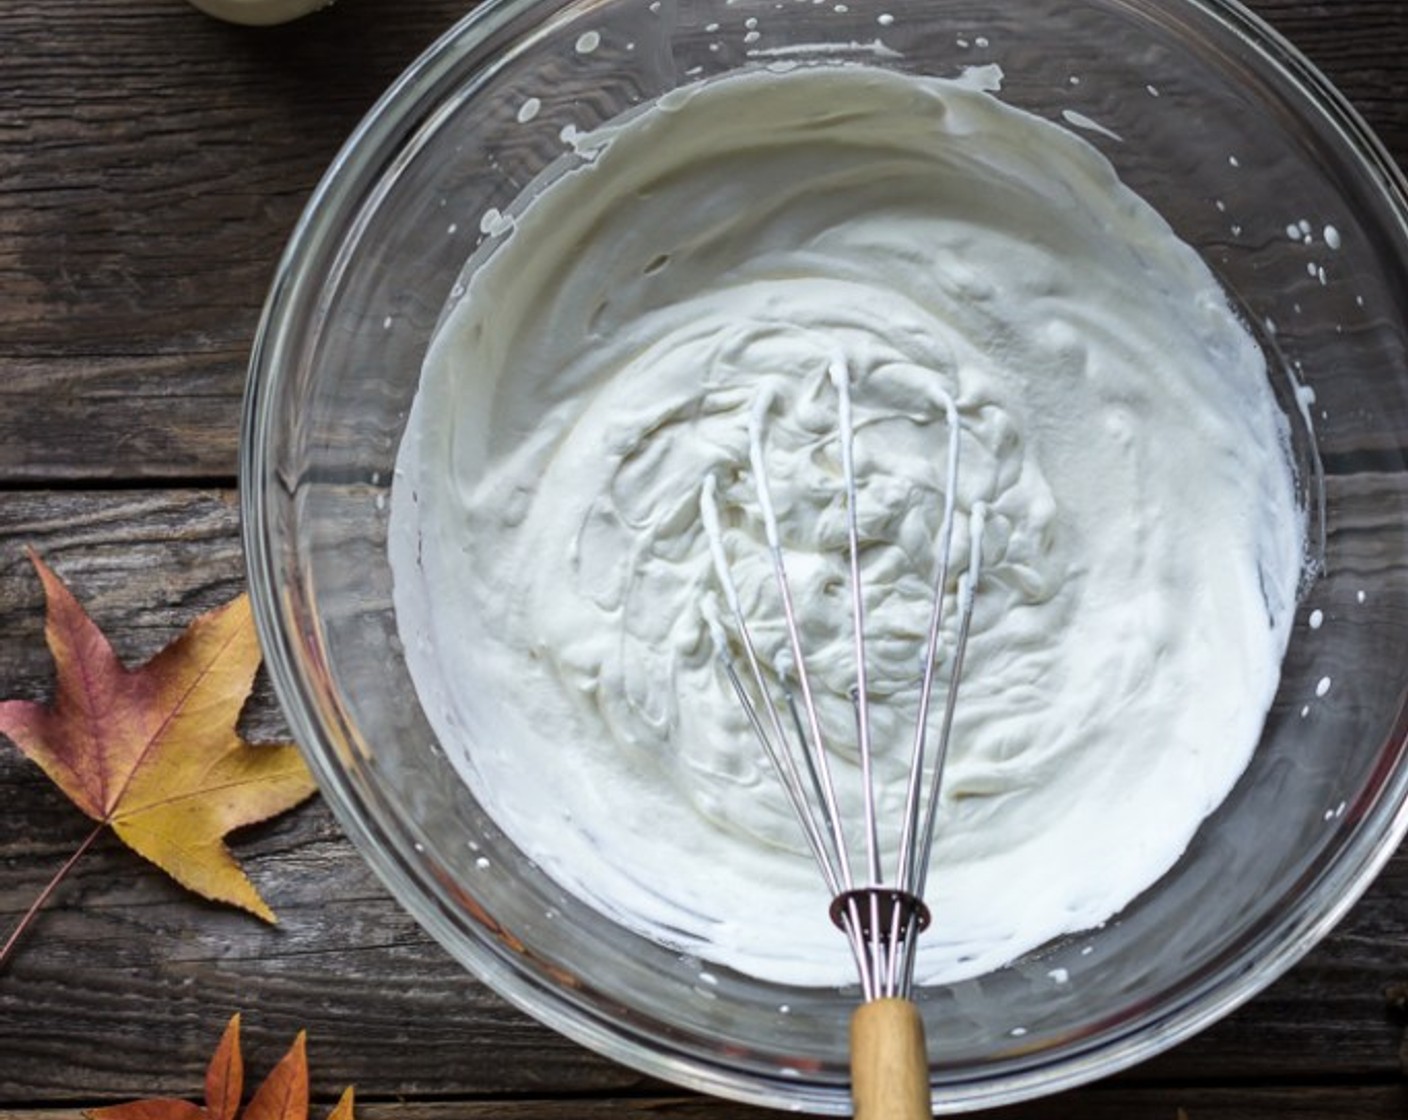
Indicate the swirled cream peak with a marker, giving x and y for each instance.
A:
(742, 241)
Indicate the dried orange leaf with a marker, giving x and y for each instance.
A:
(283, 1096)
(224, 1077)
(343, 1109)
(153, 751)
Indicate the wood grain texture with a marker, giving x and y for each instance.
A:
(127, 980)
(1106, 1103)
(153, 163)
(889, 1062)
(1103, 1103)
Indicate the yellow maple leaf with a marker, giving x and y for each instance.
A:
(153, 751)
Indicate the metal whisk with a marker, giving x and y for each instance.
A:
(880, 916)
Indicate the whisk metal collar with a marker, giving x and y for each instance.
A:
(894, 909)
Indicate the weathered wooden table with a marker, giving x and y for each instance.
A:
(152, 163)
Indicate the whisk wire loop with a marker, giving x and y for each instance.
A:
(841, 379)
(776, 746)
(906, 863)
(815, 744)
(967, 590)
(881, 922)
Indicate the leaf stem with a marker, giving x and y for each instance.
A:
(38, 904)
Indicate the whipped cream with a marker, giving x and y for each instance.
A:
(741, 241)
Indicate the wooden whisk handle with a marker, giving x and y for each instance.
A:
(889, 1062)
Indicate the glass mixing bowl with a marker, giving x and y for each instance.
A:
(1211, 117)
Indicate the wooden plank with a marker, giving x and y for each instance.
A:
(1373, 1102)
(127, 980)
(153, 163)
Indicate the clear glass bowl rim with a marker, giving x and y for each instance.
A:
(388, 846)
